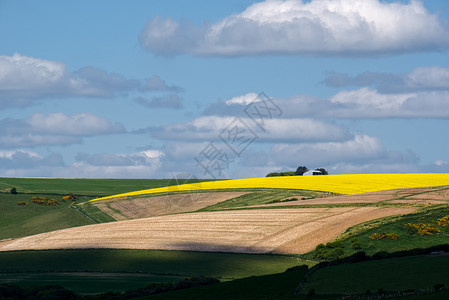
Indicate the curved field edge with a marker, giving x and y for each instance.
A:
(342, 184)
(151, 205)
(245, 231)
(392, 225)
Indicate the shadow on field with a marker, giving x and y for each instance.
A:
(160, 262)
(215, 247)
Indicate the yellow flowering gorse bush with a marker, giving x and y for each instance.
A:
(382, 236)
(421, 229)
(444, 221)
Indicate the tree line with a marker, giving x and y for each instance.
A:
(299, 172)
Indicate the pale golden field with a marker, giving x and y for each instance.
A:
(171, 222)
(125, 209)
(247, 231)
(341, 184)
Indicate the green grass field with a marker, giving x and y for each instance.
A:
(95, 270)
(18, 221)
(87, 282)
(276, 286)
(332, 282)
(395, 225)
(415, 272)
(89, 187)
(226, 266)
(27, 268)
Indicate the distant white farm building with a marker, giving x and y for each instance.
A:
(313, 172)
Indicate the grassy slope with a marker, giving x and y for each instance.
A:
(103, 270)
(395, 225)
(87, 282)
(226, 266)
(415, 272)
(17, 221)
(277, 286)
(389, 274)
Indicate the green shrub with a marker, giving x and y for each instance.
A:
(335, 244)
(330, 251)
(355, 244)
(13, 191)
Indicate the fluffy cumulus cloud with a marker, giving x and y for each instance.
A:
(419, 79)
(317, 27)
(360, 103)
(24, 78)
(54, 129)
(362, 154)
(18, 163)
(144, 164)
(24, 163)
(369, 103)
(212, 127)
(361, 147)
(171, 101)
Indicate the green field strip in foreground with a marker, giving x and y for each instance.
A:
(226, 266)
(87, 282)
(332, 282)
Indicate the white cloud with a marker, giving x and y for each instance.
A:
(83, 124)
(210, 127)
(144, 164)
(243, 99)
(368, 99)
(54, 129)
(368, 103)
(428, 78)
(432, 78)
(24, 163)
(24, 78)
(143, 158)
(360, 103)
(155, 83)
(318, 27)
(171, 101)
(28, 77)
(24, 159)
(370, 167)
(361, 147)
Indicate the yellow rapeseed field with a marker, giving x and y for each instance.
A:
(342, 184)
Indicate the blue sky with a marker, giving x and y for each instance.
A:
(152, 89)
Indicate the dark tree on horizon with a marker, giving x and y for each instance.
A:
(301, 170)
(323, 171)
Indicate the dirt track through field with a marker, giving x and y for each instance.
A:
(247, 231)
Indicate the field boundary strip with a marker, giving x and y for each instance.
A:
(348, 184)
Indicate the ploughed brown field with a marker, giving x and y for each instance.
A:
(125, 209)
(296, 230)
(436, 195)
(171, 223)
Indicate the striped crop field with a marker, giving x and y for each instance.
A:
(348, 184)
